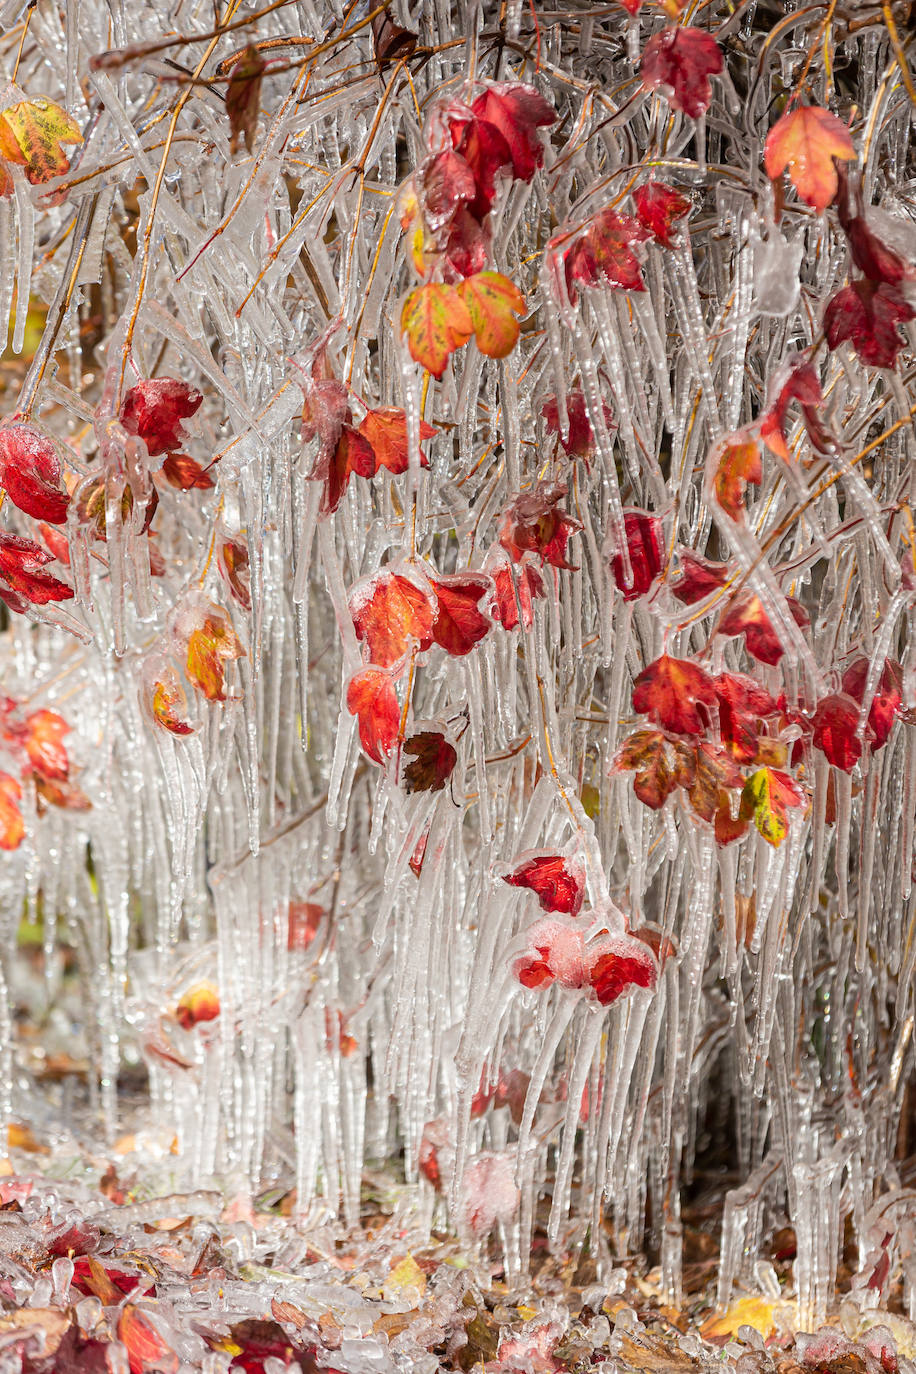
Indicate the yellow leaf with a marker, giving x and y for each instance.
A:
(406, 1274)
(748, 1311)
(436, 322)
(209, 647)
(493, 301)
(32, 132)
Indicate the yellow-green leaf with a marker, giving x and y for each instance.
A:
(436, 322)
(32, 132)
(766, 797)
(493, 301)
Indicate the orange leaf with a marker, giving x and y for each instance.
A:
(737, 464)
(673, 692)
(805, 141)
(386, 431)
(33, 133)
(146, 1349)
(12, 828)
(436, 322)
(493, 301)
(371, 698)
(42, 735)
(389, 610)
(199, 1003)
(169, 704)
(209, 646)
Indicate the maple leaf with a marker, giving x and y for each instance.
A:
(372, 699)
(805, 141)
(303, 922)
(674, 692)
(32, 133)
(515, 594)
(386, 431)
(766, 798)
(796, 382)
(618, 963)
(557, 882)
(698, 577)
(12, 826)
(42, 736)
(681, 61)
(30, 474)
(390, 611)
(604, 253)
(353, 453)
(555, 952)
(835, 730)
(492, 302)
(211, 645)
(199, 1003)
(436, 322)
(154, 410)
(185, 473)
(645, 544)
(743, 703)
(518, 112)
(867, 315)
(734, 465)
(533, 523)
(580, 438)
(146, 1348)
(645, 753)
(886, 702)
(659, 208)
(233, 564)
(459, 623)
(746, 616)
(21, 564)
(875, 259)
(434, 759)
(243, 96)
(167, 701)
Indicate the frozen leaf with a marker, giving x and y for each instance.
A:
(390, 612)
(799, 382)
(743, 704)
(57, 544)
(243, 96)
(516, 593)
(580, 440)
(674, 692)
(434, 759)
(698, 577)
(557, 882)
(805, 141)
(233, 564)
(185, 473)
(446, 183)
(436, 322)
(353, 453)
(707, 772)
(199, 1003)
(659, 208)
(835, 730)
(533, 523)
(518, 112)
(645, 753)
(386, 431)
(42, 736)
(767, 796)
(390, 39)
(63, 794)
(372, 699)
(489, 1193)
(616, 964)
(303, 922)
(555, 952)
(604, 253)
(459, 623)
(645, 544)
(874, 258)
(146, 1348)
(680, 61)
(485, 150)
(33, 133)
(168, 702)
(91, 497)
(735, 465)
(30, 473)
(21, 570)
(154, 410)
(211, 645)
(492, 302)
(746, 616)
(12, 828)
(868, 316)
(886, 702)
(754, 1312)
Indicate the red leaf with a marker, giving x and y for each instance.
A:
(797, 381)
(674, 692)
(21, 562)
(517, 112)
(372, 699)
(555, 953)
(699, 576)
(734, 465)
(681, 61)
(436, 322)
(168, 702)
(836, 722)
(533, 523)
(211, 643)
(391, 611)
(645, 542)
(57, 544)
(42, 736)
(658, 209)
(557, 882)
(154, 410)
(806, 140)
(645, 753)
(185, 473)
(446, 181)
(886, 702)
(746, 616)
(459, 624)
(434, 759)
(30, 473)
(199, 1003)
(604, 253)
(303, 921)
(386, 431)
(12, 827)
(146, 1349)
(707, 773)
(353, 453)
(766, 797)
(580, 440)
(875, 259)
(233, 564)
(618, 963)
(485, 150)
(868, 316)
(515, 593)
(743, 703)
